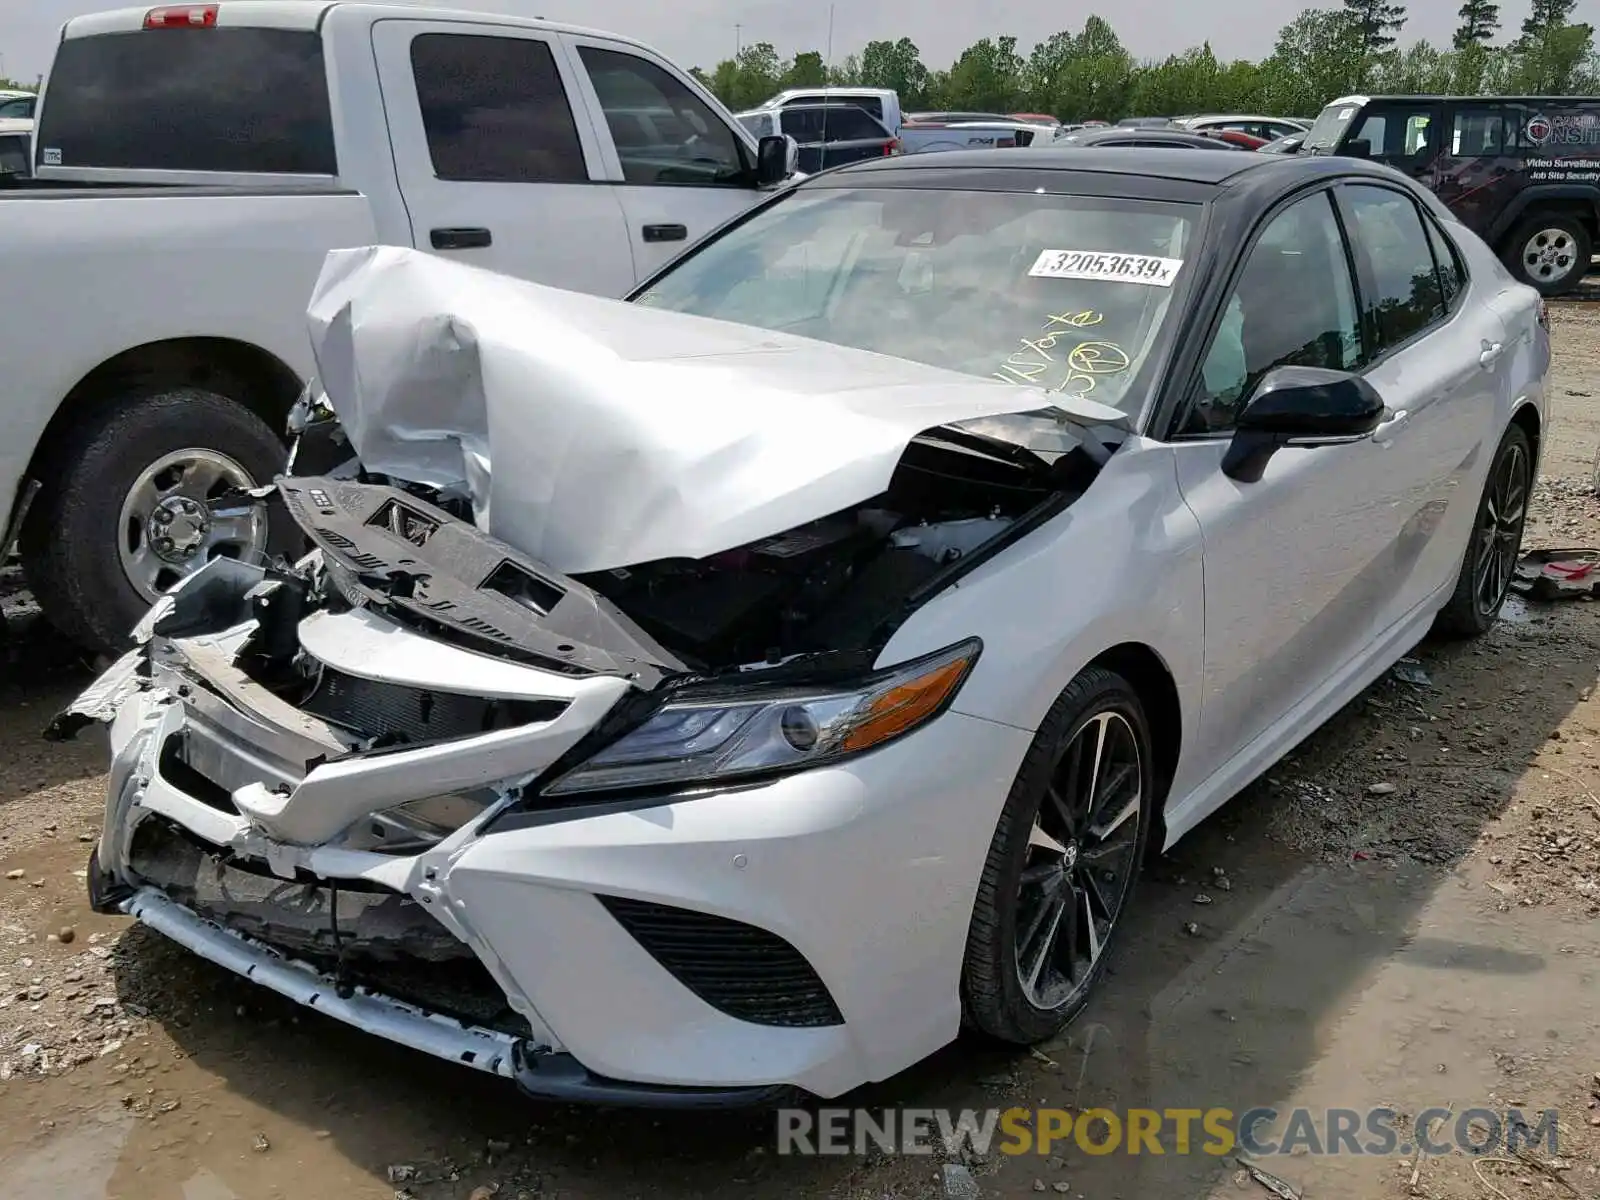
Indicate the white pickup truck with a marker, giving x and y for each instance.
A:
(146, 377)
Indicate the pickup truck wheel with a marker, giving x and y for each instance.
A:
(1550, 253)
(141, 496)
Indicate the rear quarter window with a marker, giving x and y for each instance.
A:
(846, 124)
(220, 100)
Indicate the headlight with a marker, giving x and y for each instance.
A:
(711, 735)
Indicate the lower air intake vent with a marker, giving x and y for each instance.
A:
(738, 969)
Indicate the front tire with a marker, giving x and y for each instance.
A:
(1550, 253)
(133, 502)
(1062, 865)
(1490, 561)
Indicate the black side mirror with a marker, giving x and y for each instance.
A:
(773, 164)
(1358, 148)
(1304, 405)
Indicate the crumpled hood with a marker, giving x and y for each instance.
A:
(592, 433)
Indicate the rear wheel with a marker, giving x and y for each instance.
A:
(142, 495)
(1550, 253)
(1496, 542)
(1062, 865)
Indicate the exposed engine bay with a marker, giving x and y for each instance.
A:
(834, 587)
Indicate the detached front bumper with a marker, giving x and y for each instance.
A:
(711, 950)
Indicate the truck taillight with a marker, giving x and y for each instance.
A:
(182, 16)
(892, 146)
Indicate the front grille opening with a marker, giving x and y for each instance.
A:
(381, 939)
(174, 767)
(738, 969)
(397, 714)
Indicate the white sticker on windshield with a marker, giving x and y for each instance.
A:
(50, 156)
(1346, 113)
(1097, 264)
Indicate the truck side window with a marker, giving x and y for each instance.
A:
(679, 140)
(1396, 134)
(1477, 131)
(495, 111)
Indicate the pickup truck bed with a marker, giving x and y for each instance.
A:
(162, 320)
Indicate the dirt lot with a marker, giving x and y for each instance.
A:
(1402, 915)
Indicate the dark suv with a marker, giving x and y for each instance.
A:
(1523, 172)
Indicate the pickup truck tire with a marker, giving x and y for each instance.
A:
(151, 464)
(1549, 252)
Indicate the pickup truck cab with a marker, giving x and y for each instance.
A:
(149, 376)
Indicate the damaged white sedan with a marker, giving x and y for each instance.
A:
(686, 700)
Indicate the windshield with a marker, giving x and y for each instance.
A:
(1329, 127)
(1068, 293)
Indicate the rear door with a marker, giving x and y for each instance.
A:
(804, 125)
(496, 164)
(677, 176)
(1440, 361)
(1480, 167)
(850, 134)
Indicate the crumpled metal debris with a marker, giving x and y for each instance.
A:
(1558, 574)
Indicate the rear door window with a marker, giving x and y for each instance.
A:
(1452, 276)
(845, 123)
(1477, 131)
(224, 99)
(803, 124)
(1404, 296)
(683, 141)
(495, 111)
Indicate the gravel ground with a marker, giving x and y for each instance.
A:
(1403, 913)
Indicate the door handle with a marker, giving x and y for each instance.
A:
(665, 233)
(1390, 425)
(1491, 354)
(460, 239)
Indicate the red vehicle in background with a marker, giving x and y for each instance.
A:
(1238, 137)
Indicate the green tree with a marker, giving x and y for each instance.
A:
(806, 70)
(987, 77)
(847, 73)
(758, 75)
(1480, 21)
(896, 65)
(1553, 60)
(1376, 22)
(1546, 15)
(1096, 79)
(1318, 56)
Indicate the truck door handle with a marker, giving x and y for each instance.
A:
(665, 233)
(1491, 354)
(459, 239)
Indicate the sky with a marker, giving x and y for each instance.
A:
(700, 32)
